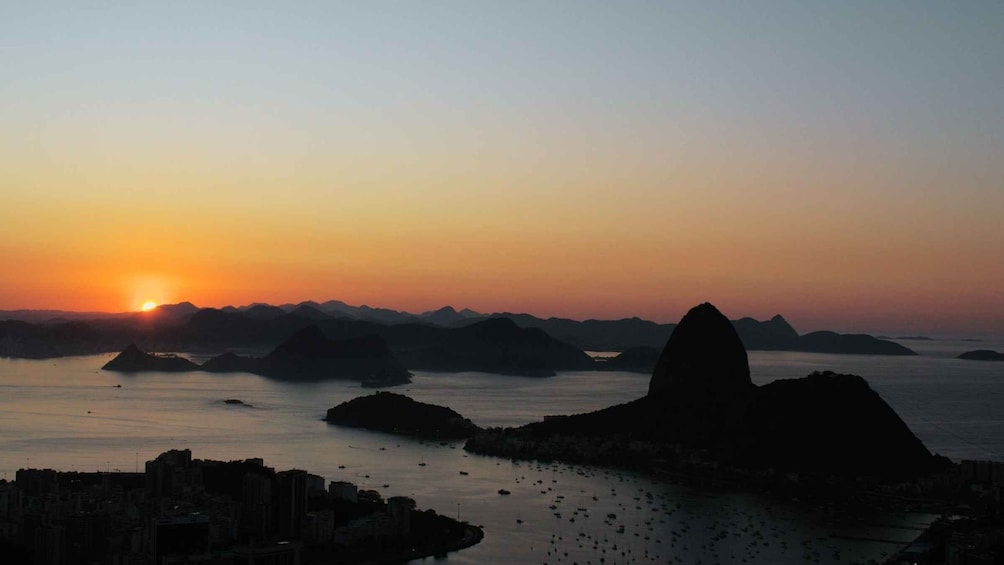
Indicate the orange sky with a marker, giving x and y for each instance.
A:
(849, 183)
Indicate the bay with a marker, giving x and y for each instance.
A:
(68, 414)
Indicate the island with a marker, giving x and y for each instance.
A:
(982, 355)
(237, 402)
(132, 360)
(398, 414)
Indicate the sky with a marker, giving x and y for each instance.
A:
(840, 163)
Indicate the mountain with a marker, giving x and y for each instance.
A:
(231, 363)
(702, 403)
(178, 312)
(494, 345)
(597, 335)
(264, 312)
(310, 355)
(40, 341)
(309, 313)
(57, 316)
(703, 358)
(445, 316)
(427, 340)
(307, 355)
(840, 425)
(774, 334)
(339, 309)
(132, 360)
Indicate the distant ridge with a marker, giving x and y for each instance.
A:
(184, 326)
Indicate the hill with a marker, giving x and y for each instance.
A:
(701, 400)
(394, 413)
(982, 355)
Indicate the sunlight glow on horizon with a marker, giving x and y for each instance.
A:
(836, 163)
(148, 305)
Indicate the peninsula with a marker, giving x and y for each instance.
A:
(701, 403)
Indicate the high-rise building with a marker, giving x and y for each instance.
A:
(292, 503)
(256, 510)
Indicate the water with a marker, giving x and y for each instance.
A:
(67, 414)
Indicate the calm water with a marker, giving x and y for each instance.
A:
(67, 414)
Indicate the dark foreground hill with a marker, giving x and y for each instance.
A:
(701, 400)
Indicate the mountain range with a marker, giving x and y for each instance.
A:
(443, 339)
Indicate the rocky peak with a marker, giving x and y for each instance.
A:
(704, 355)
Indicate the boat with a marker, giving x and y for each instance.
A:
(504, 492)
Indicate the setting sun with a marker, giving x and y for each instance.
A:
(148, 305)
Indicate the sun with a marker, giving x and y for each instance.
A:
(148, 305)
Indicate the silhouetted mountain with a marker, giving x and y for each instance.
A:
(831, 342)
(307, 355)
(598, 335)
(703, 358)
(445, 316)
(394, 413)
(132, 360)
(247, 307)
(982, 355)
(211, 329)
(830, 424)
(57, 316)
(701, 397)
(310, 355)
(309, 313)
(640, 359)
(495, 345)
(264, 312)
(339, 309)
(772, 335)
(775, 334)
(423, 343)
(231, 363)
(179, 312)
(38, 341)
